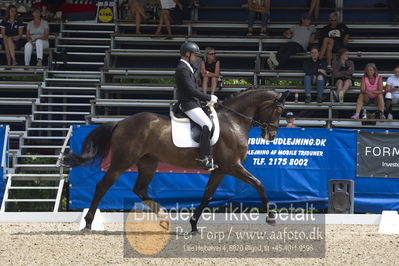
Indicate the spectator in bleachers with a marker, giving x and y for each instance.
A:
(55, 8)
(393, 7)
(255, 7)
(11, 30)
(392, 92)
(136, 8)
(315, 72)
(343, 70)
(37, 33)
(290, 118)
(314, 9)
(169, 10)
(332, 38)
(371, 91)
(300, 36)
(210, 70)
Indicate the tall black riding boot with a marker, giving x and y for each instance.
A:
(205, 160)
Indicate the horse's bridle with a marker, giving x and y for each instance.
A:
(263, 125)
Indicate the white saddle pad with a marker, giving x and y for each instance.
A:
(181, 131)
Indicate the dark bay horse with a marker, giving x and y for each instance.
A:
(145, 139)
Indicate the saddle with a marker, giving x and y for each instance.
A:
(185, 132)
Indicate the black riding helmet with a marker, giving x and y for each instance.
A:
(189, 47)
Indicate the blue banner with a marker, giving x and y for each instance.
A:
(295, 169)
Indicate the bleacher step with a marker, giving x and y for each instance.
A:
(42, 147)
(73, 80)
(20, 188)
(27, 177)
(59, 121)
(69, 72)
(61, 113)
(44, 138)
(69, 88)
(93, 39)
(81, 63)
(83, 46)
(63, 104)
(66, 96)
(86, 53)
(30, 200)
(37, 156)
(89, 31)
(48, 129)
(36, 165)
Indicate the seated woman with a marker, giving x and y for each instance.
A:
(210, 70)
(370, 91)
(11, 30)
(343, 70)
(37, 36)
(315, 71)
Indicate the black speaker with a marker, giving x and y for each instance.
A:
(340, 196)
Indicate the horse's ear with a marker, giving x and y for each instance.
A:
(283, 96)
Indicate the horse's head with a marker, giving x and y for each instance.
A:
(269, 114)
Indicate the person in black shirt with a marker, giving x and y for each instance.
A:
(188, 96)
(210, 70)
(333, 37)
(315, 71)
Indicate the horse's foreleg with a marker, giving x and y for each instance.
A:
(211, 186)
(242, 174)
(101, 188)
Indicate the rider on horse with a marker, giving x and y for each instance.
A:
(189, 95)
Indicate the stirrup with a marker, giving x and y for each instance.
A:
(207, 164)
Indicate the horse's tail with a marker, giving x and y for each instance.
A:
(96, 144)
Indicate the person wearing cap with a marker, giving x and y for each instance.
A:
(188, 96)
(300, 36)
(333, 37)
(290, 118)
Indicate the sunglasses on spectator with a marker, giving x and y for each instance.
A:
(332, 19)
(212, 53)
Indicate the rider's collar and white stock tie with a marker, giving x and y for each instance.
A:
(188, 64)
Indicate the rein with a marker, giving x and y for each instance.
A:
(254, 121)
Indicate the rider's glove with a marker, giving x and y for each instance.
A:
(214, 99)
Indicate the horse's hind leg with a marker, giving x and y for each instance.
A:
(211, 186)
(101, 188)
(146, 167)
(242, 174)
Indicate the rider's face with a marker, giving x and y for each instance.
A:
(192, 58)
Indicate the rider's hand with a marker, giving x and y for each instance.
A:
(214, 99)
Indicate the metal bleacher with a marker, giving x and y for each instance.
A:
(102, 72)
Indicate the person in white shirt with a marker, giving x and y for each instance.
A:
(37, 33)
(392, 92)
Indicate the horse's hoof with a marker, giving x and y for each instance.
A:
(271, 220)
(194, 232)
(86, 231)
